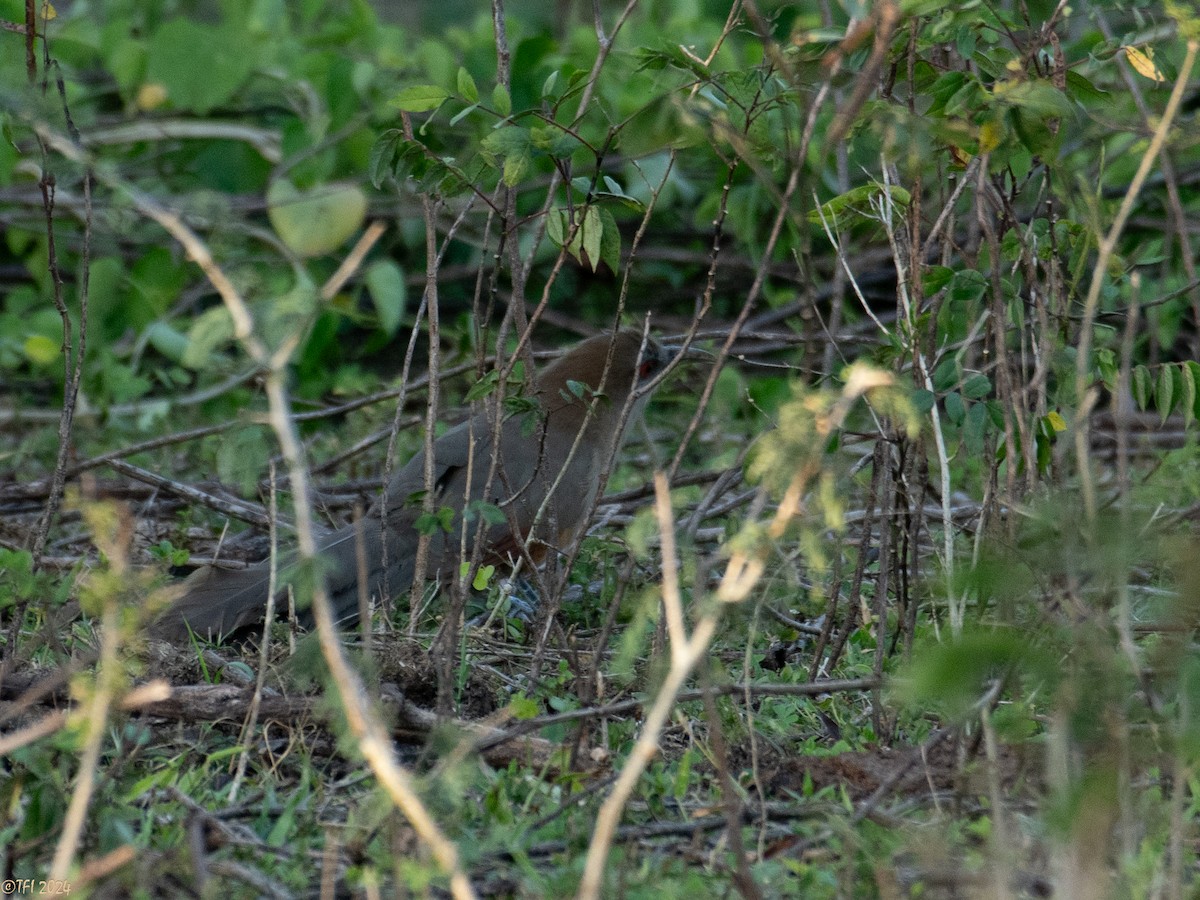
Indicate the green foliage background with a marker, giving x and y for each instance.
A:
(927, 186)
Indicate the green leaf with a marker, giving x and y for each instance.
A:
(507, 140)
(317, 221)
(168, 341)
(857, 203)
(1106, 365)
(1044, 448)
(1164, 394)
(432, 523)
(1140, 382)
(1080, 88)
(555, 141)
(956, 410)
(556, 226)
(974, 426)
(995, 413)
(1187, 387)
(965, 43)
(935, 278)
(967, 286)
(1194, 375)
(522, 707)
(616, 192)
(412, 159)
(466, 86)
(610, 241)
(200, 66)
(964, 101)
(683, 777)
(209, 330)
(591, 232)
(482, 577)
(239, 455)
(489, 512)
(515, 167)
(923, 401)
(484, 386)
(421, 98)
(1040, 97)
(943, 89)
(1033, 131)
(385, 283)
(284, 317)
(463, 113)
(596, 240)
(977, 387)
(125, 60)
(953, 674)
(157, 278)
(659, 125)
(501, 100)
(674, 55)
(383, 155)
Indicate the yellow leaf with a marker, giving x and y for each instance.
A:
(1056, 421)
(40, 349)
(150, 96)
(1143, 62)
(48, 12)
(316, 221)
(990, 135)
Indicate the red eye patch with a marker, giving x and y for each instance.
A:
(647, 366)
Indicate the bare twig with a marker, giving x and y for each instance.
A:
(95, 718)
(685, 652)
(237, 509)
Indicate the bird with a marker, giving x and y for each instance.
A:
(556, 449)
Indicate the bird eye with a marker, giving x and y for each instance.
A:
(647, 367)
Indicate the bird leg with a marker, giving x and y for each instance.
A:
(519, 599)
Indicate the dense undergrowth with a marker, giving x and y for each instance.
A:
(921, 625)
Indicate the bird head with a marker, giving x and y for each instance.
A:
(614, 365)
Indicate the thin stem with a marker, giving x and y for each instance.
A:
(1085, 398)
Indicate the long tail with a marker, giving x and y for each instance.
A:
(217, 603)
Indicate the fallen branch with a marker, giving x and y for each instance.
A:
(220, 702)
